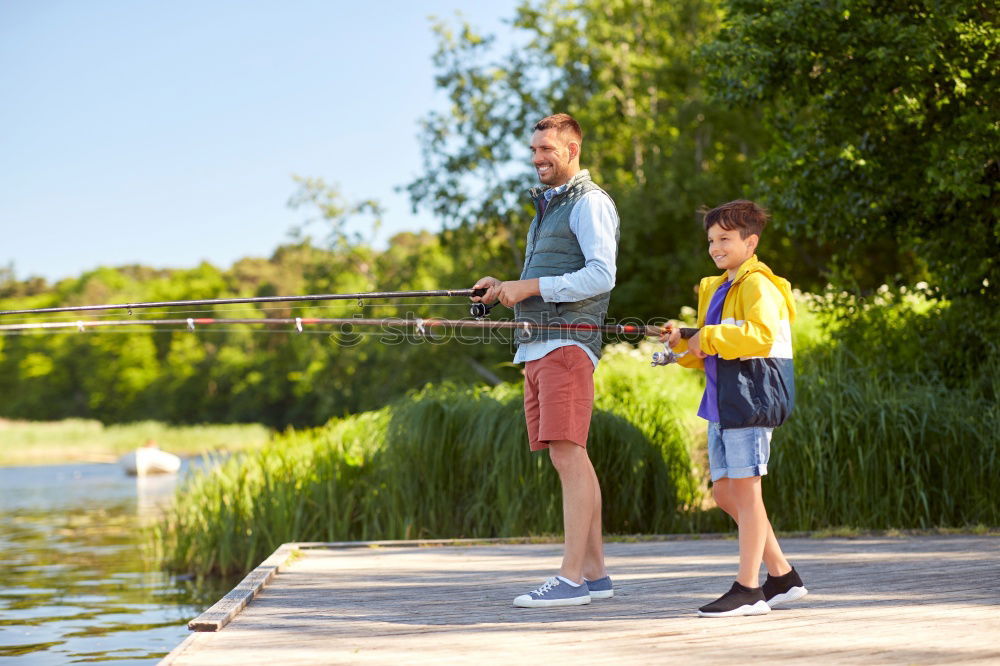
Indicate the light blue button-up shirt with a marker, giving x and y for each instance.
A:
(594, 221)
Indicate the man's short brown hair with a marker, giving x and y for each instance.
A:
(563, 122)
(741, 214)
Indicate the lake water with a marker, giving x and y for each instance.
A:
(77, 584)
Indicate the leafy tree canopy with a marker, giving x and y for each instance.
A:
(627, 70)
(885, 123)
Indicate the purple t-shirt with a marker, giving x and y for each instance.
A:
(709, 409)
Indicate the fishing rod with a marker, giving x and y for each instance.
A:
(479, 312)
(361, 297)
(419, 325)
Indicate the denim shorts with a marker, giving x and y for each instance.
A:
(738, 453)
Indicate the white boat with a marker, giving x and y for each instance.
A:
(150, 460)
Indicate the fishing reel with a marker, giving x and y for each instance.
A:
(666, 357)
(480, 310)
(669, 356)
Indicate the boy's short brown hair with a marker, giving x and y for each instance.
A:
(741, 214)
(561, 122)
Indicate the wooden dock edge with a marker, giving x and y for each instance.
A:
(225, 609)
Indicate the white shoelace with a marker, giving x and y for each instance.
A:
(546, 586)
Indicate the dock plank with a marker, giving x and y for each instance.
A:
(872, 600)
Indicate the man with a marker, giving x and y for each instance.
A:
(569, 271)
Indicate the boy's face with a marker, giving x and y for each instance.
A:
(728, 250)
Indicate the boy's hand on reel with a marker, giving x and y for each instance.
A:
(670, 334)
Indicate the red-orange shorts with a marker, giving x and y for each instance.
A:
(559, 397)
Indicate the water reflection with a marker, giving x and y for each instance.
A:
(153, 494)
(78, 584)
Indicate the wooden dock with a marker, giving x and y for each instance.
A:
(873, 600)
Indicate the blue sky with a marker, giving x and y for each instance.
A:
(166, 133)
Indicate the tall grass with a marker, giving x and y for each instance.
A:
(308, 485)
(885, 449)
(446, 462)
(897, 421)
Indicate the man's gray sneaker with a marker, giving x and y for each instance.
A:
(600, 588)
(554, 592)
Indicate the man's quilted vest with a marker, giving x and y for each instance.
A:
(554, 250)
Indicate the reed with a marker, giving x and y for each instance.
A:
(885, 449)
(303, 485)
(897, 421)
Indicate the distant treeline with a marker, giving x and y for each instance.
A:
(242, 373)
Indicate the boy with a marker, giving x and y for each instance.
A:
(744, 345)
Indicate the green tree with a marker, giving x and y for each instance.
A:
(628, 71)
(883, 115)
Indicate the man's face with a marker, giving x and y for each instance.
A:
(552, 154)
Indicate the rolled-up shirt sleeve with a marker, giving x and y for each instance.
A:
(594, 220)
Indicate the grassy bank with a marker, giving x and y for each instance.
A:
(72, 440)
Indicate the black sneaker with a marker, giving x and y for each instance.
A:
(781, 589)
(739, 600)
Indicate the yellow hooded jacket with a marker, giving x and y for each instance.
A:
(755, 383)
